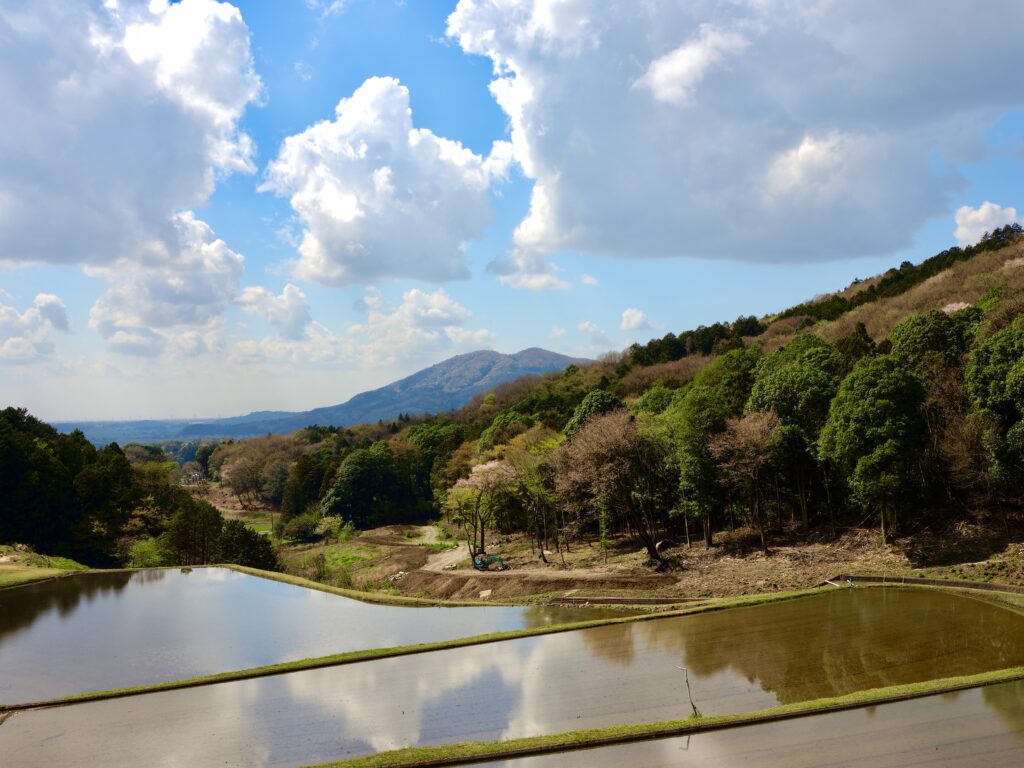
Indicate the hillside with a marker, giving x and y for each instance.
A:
(445, 386)
(895, 401)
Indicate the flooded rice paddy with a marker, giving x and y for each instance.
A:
(98, 631)
(966, 729)
(738, 660)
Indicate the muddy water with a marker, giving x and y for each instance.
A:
(112, 630)
(982, 726)
(738, 660)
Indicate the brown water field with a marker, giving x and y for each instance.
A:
(98, 631)
(977, 727)
(738, 660)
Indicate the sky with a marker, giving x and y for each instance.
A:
(208, 209)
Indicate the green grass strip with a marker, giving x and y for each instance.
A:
(15, 575)
(351, 657)
(471, 752)
(378, 598)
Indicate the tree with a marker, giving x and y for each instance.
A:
(194, 531)
(594, 404)
(610, 463)
(855, 345)
(873, 436)
(474, 501)
(920, 338)
(302, 488)
(240, 544)
(798, 383)
(655, 400)
(719, 392)
(744, 451)
(364, 487)
(527, 457)
(995, 385)
(243, 477)
(107, 493)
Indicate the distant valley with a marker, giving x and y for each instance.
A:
(445, 386)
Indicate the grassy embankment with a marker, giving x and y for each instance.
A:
(20, 565)
(460, 754)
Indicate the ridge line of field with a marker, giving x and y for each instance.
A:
(467, 753)
(372, 654)
(924, 581)
(355, 594)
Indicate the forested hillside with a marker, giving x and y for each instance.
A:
(896, 403)
(893, 403)
(62, 496)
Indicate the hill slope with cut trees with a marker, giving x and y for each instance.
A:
(897, 403)
(892, 403)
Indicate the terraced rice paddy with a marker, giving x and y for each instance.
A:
(978, 727)
(738, 660)
(98, 631)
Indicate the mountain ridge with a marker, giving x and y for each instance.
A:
(444, 386)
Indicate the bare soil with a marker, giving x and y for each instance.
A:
(407, 560)
(230, 506)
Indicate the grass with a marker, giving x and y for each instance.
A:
(440, 546)
(15, 575)
(455, 754)
(28, 566)
(351, 554)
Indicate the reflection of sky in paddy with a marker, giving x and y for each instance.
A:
(101, 630)
(738, 660)
(981, 726)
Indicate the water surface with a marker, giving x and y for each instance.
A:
(97, 631)
(980, 726)
(738, 660)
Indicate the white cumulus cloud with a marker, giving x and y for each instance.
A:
(173, 298)
(379, 198)
(634, 320)
(598, 339)
(115, 117)
(972, 223)
(26, 336)
(674, 77)
(288, 312)
(771, 130)
(422, 323)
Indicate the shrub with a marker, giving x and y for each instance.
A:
(150, 553)
(301, 528)
(241, 545)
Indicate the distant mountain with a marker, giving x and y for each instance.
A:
(445, 386)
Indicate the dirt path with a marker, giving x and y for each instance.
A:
(733, 566)
(446, 559)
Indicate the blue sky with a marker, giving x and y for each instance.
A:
(193, 230)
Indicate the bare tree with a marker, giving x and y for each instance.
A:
(744, 452)
(611, 462)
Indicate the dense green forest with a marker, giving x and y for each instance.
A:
(797, 422)
(62, 496)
